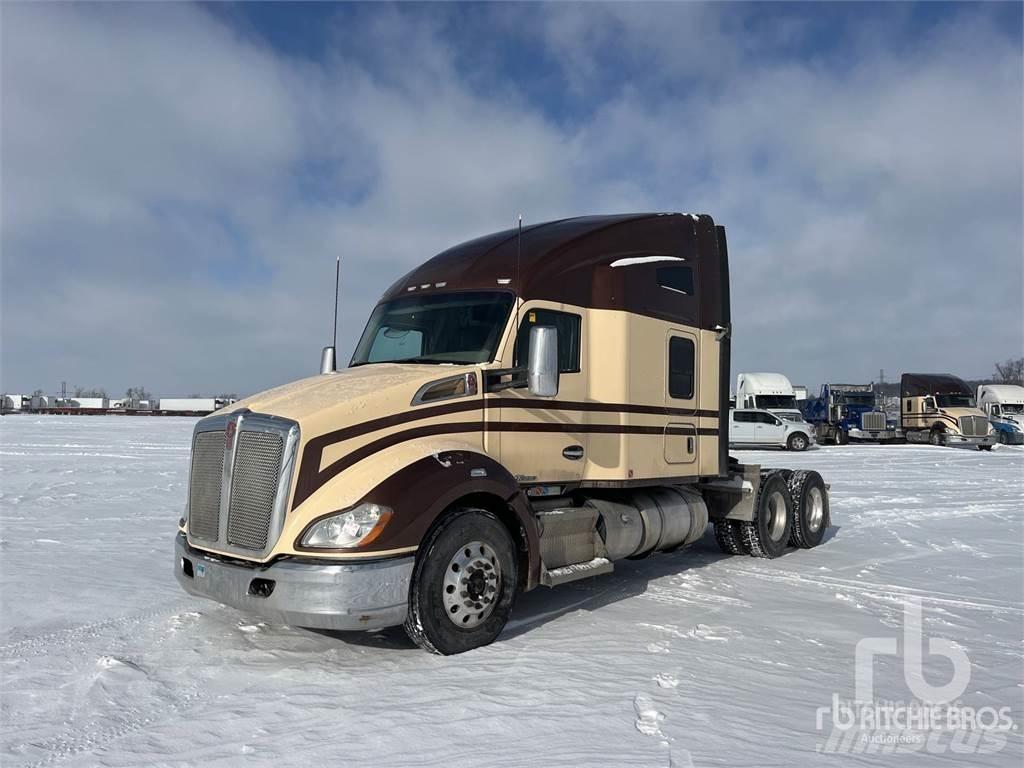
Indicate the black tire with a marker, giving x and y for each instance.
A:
(428, 623)
(798, 441)
(729, 537)
(984, 447)
(767, 536)
(936, 437)
(811, 515)
(842, 437)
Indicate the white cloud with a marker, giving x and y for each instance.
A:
(174, 193)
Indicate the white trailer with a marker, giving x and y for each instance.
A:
(14, 403)
(86, 402)
(190, 404)
(1004, 406)
(767, 391)
(39, 402)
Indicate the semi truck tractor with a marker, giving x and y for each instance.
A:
(940, 409)
(767, 391)
(1004, 406)
(522, 410)
(844, 412)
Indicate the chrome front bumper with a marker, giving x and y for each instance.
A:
(956, 439)
(881, 434)
(328, 596)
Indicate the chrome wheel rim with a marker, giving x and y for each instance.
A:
(472, 584)
(815, 509)
(777, 516)
(798, 443)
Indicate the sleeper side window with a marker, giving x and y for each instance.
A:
(568, 327)
(681, 362)
(678, 279)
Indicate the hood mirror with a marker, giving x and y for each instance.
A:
(542, 366)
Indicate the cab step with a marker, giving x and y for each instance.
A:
(575, 571)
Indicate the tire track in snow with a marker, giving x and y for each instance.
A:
(94, 735)
(883, 591)
(61, 639)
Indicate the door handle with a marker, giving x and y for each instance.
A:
(573, 452)
(689, 445)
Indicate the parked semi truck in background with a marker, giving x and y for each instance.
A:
(848, 411)
(941, 409)
(523, 409)
(1004, 406)
(767, 391)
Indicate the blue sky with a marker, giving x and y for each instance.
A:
(177, 179)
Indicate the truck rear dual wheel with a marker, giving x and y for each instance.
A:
(463, 584)
(729, 536)
(810, 508)
(767, 535)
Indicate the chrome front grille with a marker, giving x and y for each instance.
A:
(242, 467)
(253, 488)
(973, 426)
(204, 490)
(873, 420)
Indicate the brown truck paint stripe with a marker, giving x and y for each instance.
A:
(568, 405)
(311, 477)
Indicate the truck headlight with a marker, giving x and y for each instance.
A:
(358, 526)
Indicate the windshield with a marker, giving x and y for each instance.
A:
(790, 416)
(954, 401)
(858, 398)
(776, 401)
(458, 328)
(1012, 408)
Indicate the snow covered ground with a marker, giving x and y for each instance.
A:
(693, 658)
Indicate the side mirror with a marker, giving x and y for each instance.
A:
(542, 367)
(327, 360)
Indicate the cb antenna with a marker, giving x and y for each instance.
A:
(337, 276)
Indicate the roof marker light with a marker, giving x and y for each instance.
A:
(633, 260)
(425, 285)
(411, 288)
(504, 280)
(440, 285)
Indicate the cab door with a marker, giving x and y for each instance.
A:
(681, 443)
(543, 440)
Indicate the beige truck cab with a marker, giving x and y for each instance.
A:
(940, 409)
(523, 409)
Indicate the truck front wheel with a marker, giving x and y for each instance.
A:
(463, 584)
(936, 437)
(842, 437)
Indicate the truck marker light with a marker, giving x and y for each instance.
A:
(504, 280)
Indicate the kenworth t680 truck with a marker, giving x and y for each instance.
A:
(940, 409)
(847, 411)
(523, 409)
